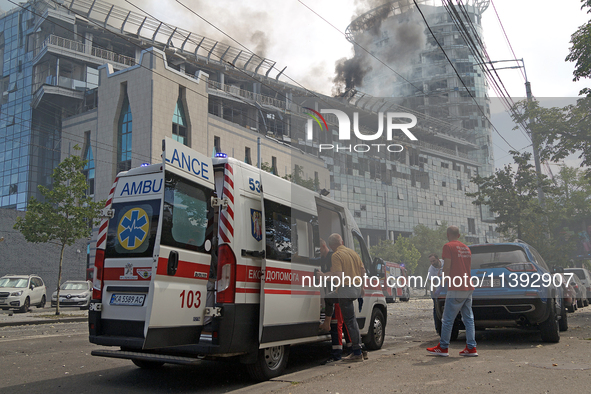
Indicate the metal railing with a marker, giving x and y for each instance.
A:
(236, 91)
(76, 46)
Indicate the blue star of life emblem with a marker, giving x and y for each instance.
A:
(133, 228)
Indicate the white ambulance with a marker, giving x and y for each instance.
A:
(155, 255)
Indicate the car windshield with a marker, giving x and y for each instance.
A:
(14, 282)
(495, 256)
(74, 286)
(580, 273)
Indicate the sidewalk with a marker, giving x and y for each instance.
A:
(42, 316)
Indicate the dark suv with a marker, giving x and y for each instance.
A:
(523, 292)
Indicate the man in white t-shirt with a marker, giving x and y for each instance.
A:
(435, 269)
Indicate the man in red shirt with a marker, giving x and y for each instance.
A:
(457, 271)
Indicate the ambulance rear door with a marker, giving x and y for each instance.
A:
(178, 288)
(290, 304)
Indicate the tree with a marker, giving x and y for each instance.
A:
(512, 195)
(580, 50)
(66, 215)
(401, 251)
(559, 132)
(428, 241)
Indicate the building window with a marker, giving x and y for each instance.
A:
(471, 226)
(88, 170)
(274, 166)
(217, 145)
(443, 183)
(459, 184)
(124, 136)
(247, 158)
(179, 123)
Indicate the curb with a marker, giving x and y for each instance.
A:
(44, 321)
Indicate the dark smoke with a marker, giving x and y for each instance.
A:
(260, 39)
(396, 41)
(348, 74)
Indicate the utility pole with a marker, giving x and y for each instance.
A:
(532, 136)
(535, 145)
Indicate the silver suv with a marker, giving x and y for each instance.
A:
(22, 291)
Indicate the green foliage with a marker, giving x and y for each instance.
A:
(512, 196)
(66, 215)
(428, 241)
(559, 132)
(580, 50)
(401, 251)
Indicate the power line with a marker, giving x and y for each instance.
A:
(458, 75)
(506, 37)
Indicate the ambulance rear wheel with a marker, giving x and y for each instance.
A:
(270, 363)
(145, 364)
(377, 331)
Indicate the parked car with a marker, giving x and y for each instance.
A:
(504, 303)
(22, 291)
(569, 294)
(581, 291)
(74, 293)
(585, 278)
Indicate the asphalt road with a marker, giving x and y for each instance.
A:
(55, 358)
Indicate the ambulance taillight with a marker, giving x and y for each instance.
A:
(226, 289)
(97, 283)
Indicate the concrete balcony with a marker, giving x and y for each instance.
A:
(61, 46)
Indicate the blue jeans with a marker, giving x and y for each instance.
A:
(457, 301)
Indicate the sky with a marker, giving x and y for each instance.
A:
(292, 35)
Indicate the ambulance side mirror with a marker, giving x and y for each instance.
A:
(379, 265)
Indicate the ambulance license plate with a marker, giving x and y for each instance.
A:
(128, 299)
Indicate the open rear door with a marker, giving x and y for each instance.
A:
(178, 288)
(289, 312)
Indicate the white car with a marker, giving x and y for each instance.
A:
(74, 293)
(22, 291)
(585, 278)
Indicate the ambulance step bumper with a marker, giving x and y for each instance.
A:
(146, 357)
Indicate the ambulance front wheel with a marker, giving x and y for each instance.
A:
(270, 363)
(377, 330)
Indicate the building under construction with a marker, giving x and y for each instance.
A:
(115, 82)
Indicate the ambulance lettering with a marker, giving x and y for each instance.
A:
(192, 165)
(146, 186)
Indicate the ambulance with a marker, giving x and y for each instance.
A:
(212, 258)
(395, 283)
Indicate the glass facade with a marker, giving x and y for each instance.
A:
(124, 142)
(16, 134)
(89, 167)
(179, 124)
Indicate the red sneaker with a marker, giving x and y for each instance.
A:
(467, 352)
(438, 351)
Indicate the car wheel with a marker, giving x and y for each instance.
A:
(438, 326)
(42, 303)
(146, 364)
(377, 331)
(580, 303)
(549, 328)
(563, 322)
(585, 302)
(572, 308)
(270, 363)
(26, 306)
